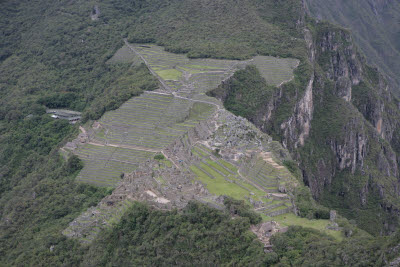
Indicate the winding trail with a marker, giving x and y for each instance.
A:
(126, 146)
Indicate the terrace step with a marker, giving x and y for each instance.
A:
(206, 172)
(273, 206)
(278, 212)
(214, 169)
(223, 166)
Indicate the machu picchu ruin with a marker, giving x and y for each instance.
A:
(200, 133)
(208, 151)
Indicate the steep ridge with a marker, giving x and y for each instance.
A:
(374, 25)
(343, 128)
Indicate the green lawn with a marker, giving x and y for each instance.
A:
(228, 165)
(220, 186)
(291, 219)
(218, 167)
(170, 74)
(211, 171)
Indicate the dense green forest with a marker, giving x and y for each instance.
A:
(149, 237)
(53, 55)
(200, 235)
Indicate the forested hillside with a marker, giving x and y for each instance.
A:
(56, 54)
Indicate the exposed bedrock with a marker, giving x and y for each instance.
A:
(342, 65)
(296, 129)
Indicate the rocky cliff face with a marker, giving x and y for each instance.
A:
(374, 24)
(297, 128)
(342, 126)
(357, 135)
(341, 62)
(346, 69)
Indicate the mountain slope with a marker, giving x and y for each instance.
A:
(375, 26)
(58, 54)
(343, 127)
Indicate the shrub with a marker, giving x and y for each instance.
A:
(239, 207)
(74, 164)
(159, 157)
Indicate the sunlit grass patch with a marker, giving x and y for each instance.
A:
(220, 186)
(228, 165)
(170, 74)
(290, 219)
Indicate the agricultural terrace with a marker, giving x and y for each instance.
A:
(147, 124)
(197, 76)
(187, 76)
(133, 133)
(276, 70)
(151, 121)
(104, 165)
(223, 178)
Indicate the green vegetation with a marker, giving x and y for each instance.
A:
(159, 157)
(53, 55)
(201, 67)
(308, 247)
(228, 165)
(248, 95)
(48, 200)
(220, 186)
(134, 82)
(222, 178)
(198, 236)
(257, 27)
(290, 219)
(276, 70)
(239, 207)
(191, 71)
(240, 103)
(170, 74)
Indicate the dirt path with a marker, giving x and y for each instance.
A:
(82, 130)
(181, 97)
(194, 100)
(128, 147)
